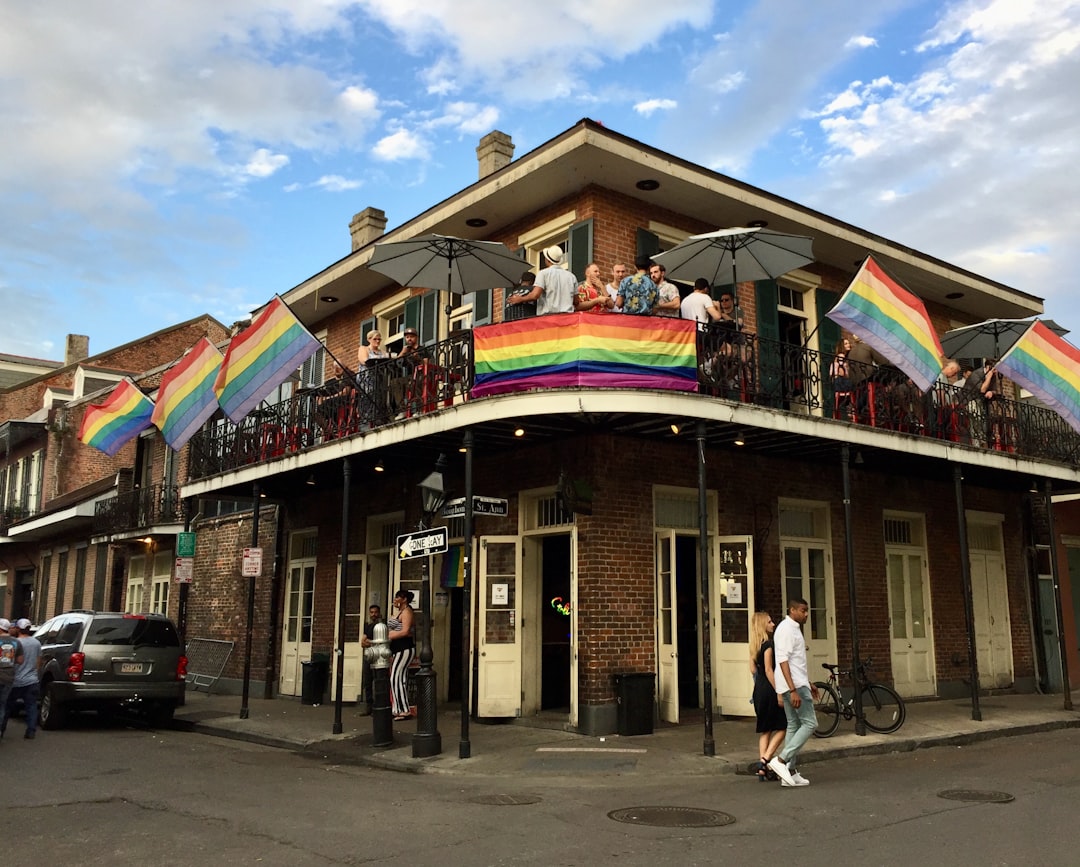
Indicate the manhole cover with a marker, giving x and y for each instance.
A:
(504, 800)
(672, 817)
(977, 795)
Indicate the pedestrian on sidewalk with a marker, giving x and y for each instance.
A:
(793, 683)
(403, 648)
(768, 705)
(25, 685)
(366, 676)
(10, 657)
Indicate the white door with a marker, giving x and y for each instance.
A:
(499, 630)
(912, 645)
(990, 601)
(296, 630)
(807, 574)
(732, 606)
(355, 616)
(667, 648)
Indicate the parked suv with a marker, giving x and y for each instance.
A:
(94, 660)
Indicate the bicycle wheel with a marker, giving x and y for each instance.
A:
(827, 708)
(883, 709)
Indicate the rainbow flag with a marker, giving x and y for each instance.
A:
(185, 398)
(108, 426)
(452, 571)
(261, 357)
(891, 320)
(1049, 367)
(582, 349)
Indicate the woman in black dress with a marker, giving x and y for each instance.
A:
(771, 718)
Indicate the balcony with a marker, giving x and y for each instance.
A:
(732, 367)
(139, 509)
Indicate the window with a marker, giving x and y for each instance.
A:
(159, 582)
(90, 380)
(43, 587)
(136, 571)
(78, 589)
(313, 371)
(61, 583)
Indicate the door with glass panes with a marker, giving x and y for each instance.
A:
(296, 629)
(807, 574)
(911, 639)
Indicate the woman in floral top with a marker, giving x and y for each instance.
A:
(592, 296)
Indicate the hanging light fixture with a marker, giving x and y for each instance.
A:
(739, 441)
(379, 466)
(310, 480)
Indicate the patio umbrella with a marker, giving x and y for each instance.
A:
(729, 255)
(990, 339)
(457, 265)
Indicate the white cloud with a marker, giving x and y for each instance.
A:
(336, 183)
(648, 106)
(861, 42)
(401, 145)
(466, 118)
(263, 163)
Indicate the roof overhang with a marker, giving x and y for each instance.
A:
(77, 516)
(591, 155)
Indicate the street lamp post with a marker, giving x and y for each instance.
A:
(427, 741)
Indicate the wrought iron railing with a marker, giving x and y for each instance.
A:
(731, 366)
(10, 515)
(138, 509)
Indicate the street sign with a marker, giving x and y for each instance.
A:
(481, 506)
(422, 543)
(184, 570)
(251, 566)
(185, 544)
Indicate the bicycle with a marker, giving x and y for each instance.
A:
(883, 709)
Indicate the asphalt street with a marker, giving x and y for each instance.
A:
(109, 794)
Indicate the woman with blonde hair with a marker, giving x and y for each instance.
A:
(768, 706)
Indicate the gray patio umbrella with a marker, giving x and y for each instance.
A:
(990, 339)
(729, 255)
(457, 265)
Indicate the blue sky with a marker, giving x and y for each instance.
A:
(167, 159)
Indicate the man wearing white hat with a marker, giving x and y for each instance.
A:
(25, 685)
(10, 657)
(554, 288)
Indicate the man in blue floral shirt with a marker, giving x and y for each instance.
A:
(637, 293)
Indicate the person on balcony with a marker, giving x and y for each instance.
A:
(591, 296)
(402, 384)
(554, 289)
(669, 303)
(637, 293)
(372, 350)
(618, 272)
(698, 305)
(863, 362)
(841, 381)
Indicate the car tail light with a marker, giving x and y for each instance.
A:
(75, 666)
(181, 668)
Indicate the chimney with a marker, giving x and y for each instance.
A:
(366, 226)
(494, 152)
(78, 348)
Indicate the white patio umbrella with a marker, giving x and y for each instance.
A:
(729, 255)
(457, 265)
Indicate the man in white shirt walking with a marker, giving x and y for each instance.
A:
(793, 683)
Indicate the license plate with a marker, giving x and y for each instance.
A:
(131, 668)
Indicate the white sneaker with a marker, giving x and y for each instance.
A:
(781, 770)
(799, 779)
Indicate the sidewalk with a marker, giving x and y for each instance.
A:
(514, 748)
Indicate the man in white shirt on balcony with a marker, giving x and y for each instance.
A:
(554, 288)
(698, 305)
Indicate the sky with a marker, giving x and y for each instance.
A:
(163, 160)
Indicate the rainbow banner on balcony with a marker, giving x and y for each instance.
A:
(1049, 367)
(261, 357)
(186, 397)
(110, 425)
(891, 320)
(582, 349)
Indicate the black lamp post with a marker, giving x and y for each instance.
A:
(427, 741)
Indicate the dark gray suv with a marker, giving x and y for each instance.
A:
(103, 661)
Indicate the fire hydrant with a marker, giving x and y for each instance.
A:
(377, 653)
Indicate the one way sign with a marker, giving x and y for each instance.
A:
(421, 543)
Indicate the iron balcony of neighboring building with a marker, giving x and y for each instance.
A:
(139, 509)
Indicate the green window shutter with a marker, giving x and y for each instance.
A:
(99, 577)
(429, 318)
(412, 312)
(371, 324)
(828, 331)
(648, 244)
(481, 307)
(770, 360)
(580, 247)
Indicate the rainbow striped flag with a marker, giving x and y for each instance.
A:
(261, 357)
(185, 398)
(108, 426)
(893, 321)
(452, 570)
(1049, 367)
(582, 349)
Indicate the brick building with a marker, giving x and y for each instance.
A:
(616, 497)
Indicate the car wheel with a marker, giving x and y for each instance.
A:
(52, 712)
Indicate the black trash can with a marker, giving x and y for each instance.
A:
(634, 696)
(316, 672)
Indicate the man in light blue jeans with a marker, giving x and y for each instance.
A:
(793, 683)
